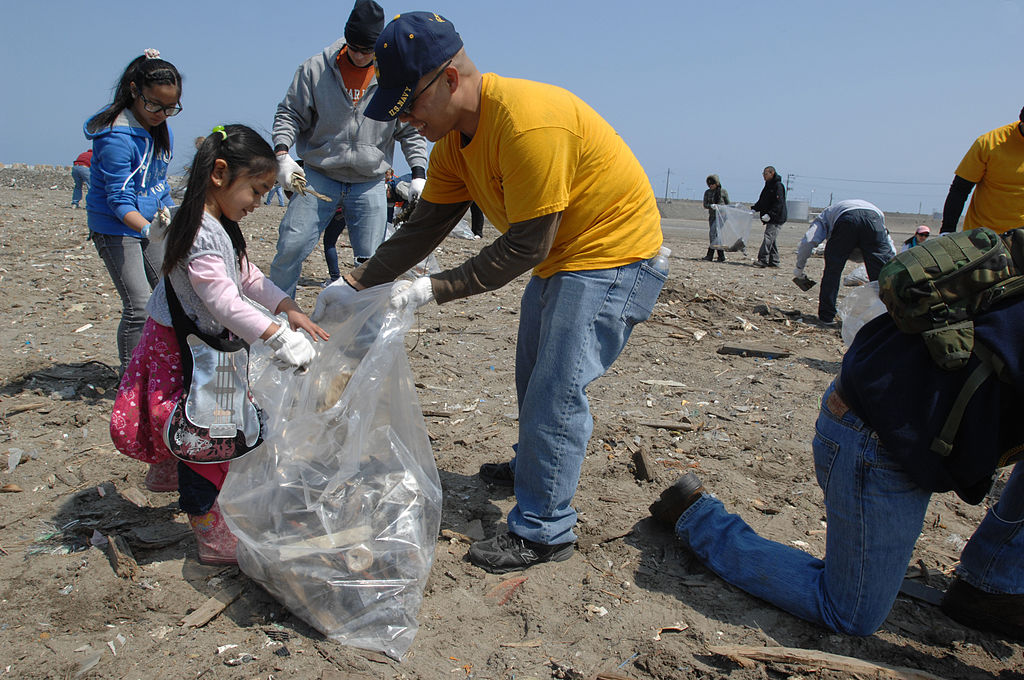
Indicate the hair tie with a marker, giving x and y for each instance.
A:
(152, 53)
(223, 133)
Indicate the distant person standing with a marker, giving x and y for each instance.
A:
(919, 236)
(345, 154)
(276, 191)
(772, 207)
(846, 226)
(128, 187)
(715, 196)
(80, 174)
(994, 168)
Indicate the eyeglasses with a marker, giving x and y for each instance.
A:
(360, 50)
(157, 107)
(406, 109)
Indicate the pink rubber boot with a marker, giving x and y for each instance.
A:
(215, 541)
(163, 476)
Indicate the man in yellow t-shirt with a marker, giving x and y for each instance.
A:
(572, 203)
(994, 168)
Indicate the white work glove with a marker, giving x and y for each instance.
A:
(766, 218)
(286, 167)
(416, 185)
(714, 206)
(158, 227)
(291, 348)
(339, 293)
(413, 294)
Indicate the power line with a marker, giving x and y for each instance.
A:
(871, 181)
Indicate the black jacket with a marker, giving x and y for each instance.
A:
(772, 201)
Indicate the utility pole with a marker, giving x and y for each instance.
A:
(789, 180)
(667, 175)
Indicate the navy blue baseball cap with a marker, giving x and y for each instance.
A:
(408, 48)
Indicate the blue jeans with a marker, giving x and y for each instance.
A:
(875, 512)
(365, 205)
(134, 267)
(79, 173)
(854, 229)
(276, 191)
(572, 326)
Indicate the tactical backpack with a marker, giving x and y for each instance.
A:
(938, 287)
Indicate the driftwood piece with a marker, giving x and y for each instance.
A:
(212, 607)
(921, 592)
(814, 659)
(763, 351)
(644, 468)
(21, 408)
(669, 425)
(122, 561)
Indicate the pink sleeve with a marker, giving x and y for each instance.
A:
(258, 287)
(210, 280)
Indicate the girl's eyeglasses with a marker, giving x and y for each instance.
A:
(157, 107)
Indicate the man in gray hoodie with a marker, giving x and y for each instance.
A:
(344, 153)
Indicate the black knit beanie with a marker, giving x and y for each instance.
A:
(364, 24)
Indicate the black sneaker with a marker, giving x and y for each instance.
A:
(676, 499)
(508, 552)
(498, 474)
(999, 613)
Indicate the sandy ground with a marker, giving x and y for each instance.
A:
(632, 603)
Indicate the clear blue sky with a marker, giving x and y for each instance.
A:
(889, 93)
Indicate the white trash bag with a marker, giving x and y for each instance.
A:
(732, 228)
(338, 517)
(857, 308)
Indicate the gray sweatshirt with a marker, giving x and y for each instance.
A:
(334, 137)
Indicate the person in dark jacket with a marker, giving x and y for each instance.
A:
(772, 207)
(874, 461)
(715, 196)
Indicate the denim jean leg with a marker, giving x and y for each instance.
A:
(573, 326)
(133, 265)
(80, 174)
(874, 511)
(304, 220)
(366, 212)
(991, 561)
(331, 235)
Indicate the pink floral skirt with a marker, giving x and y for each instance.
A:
(149, 389)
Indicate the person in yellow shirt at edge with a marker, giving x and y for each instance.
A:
(572, 203)
(994, 168)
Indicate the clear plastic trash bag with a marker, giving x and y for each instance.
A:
(424, 267)
(731, 229)
(338, 517)
(857, 308)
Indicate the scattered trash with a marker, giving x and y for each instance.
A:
(677, 627)
(66, 590)
(83, 328)
(599, 611)
(282, 651)
(87, 665)
(245, 658)
(10, 488)
(503, 592)
(224, 648)
(98, 539)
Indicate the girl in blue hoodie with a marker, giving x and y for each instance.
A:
(128, 184)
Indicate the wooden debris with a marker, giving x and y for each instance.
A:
(21, 408)
(10, 488)
(525, 643)
(921, 592)
(119, 553)
(212, 607)
(135, 497)
(814, 660)
(763, 351)
(643, 468)
(669, 425)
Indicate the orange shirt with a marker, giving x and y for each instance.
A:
(356, 79)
